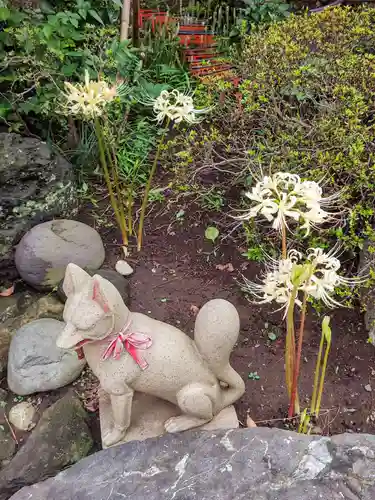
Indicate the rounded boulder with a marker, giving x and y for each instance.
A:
(35, 363)
(122, 284)
(44, 252)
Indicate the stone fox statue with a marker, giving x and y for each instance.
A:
(130, 352)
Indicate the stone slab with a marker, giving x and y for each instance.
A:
(239, 464)
(149, 414)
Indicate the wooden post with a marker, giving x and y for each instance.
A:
(135, 23)
(125, 17)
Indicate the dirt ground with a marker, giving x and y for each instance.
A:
(176, 273)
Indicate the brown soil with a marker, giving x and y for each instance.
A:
(176, 273)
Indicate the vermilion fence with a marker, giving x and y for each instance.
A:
(199, 45)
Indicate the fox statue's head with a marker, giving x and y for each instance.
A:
(92, 309)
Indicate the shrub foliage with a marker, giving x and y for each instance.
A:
(308, 96)
(305, 104)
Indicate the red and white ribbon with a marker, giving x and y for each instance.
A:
(129, 342)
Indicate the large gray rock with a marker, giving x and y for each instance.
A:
(44, 252)
(35, 363)
(27, 307)
(35, 185)
(60, 438)
(248, 464)
(122, 284)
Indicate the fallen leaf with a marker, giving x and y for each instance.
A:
(225, 267)
(7, 292)
(211, 233)
(194, 309)
(250, 422)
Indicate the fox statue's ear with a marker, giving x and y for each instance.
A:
(75, 278)
(97, 294)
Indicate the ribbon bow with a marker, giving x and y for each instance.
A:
(131, 342)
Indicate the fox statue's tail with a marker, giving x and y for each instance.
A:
(216, 331)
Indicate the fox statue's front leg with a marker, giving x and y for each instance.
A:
(121, 408)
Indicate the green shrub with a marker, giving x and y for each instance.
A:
(42, 48)
(308, 96)
(305, 104)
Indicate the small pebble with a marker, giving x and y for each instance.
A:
(22, 416)
(368, 388)
(122, 267)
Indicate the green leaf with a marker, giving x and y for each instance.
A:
(117, 2)
(74, 22)
(152, 89)
(4, 13)
(77, 53)
(69, 69)
(82, 13)
(211, 233)
(5, 108)
(96, 16)
(47, 30)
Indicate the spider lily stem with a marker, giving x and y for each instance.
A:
(298, 359)
(148, 187)
(320, 369)
(283, 240)
(103, 161)
(116, 180)
(290, 347)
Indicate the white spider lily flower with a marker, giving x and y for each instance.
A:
(264, 205)
(310, 191)
(175, 106)
(276, 284)
(314, 216)
(318, 270)
(284, 211)
(88, 99)
(284, 196)
(322, 288)
(328, 260)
